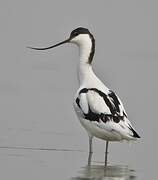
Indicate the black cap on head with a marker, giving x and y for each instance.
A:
(78, 31)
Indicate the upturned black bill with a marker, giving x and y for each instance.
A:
(50, 47)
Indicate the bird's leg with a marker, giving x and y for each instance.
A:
(90, 145)
(106, 153)
(90, 150)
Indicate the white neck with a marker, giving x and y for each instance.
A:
(85, 68)
(86, 76)
(85, 71)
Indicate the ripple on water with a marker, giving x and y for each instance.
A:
(100, 172)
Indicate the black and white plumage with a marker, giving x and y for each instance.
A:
(105, 112)
(98, 108)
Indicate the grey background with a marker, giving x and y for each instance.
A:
(37, 88)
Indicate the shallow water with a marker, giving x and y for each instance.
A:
(45, 162)
(28, 152)
(100, 172)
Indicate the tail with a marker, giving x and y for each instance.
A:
(135, 134)
(130, 130)
(127, 131)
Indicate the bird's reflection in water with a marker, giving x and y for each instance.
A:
(100, 172)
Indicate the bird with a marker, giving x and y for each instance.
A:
(98, 108)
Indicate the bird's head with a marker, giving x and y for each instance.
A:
(81, 36)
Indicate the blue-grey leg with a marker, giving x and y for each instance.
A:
(90, 150)
(106, 153)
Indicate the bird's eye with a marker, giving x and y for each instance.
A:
(76, 33)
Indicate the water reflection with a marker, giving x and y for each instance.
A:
(100, 172)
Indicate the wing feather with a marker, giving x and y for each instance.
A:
(106, 111)
(97, 103)
(83, 103)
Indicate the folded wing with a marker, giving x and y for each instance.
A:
(98, 105)
(106, 109)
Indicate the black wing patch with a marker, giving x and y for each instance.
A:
(115, 100)
(113, 106)
(78, 102)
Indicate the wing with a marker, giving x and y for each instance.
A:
(106, 111)
(96, 105)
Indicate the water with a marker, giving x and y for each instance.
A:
(36, 161)
(105, 173)
(28, 152)
(41, 163)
